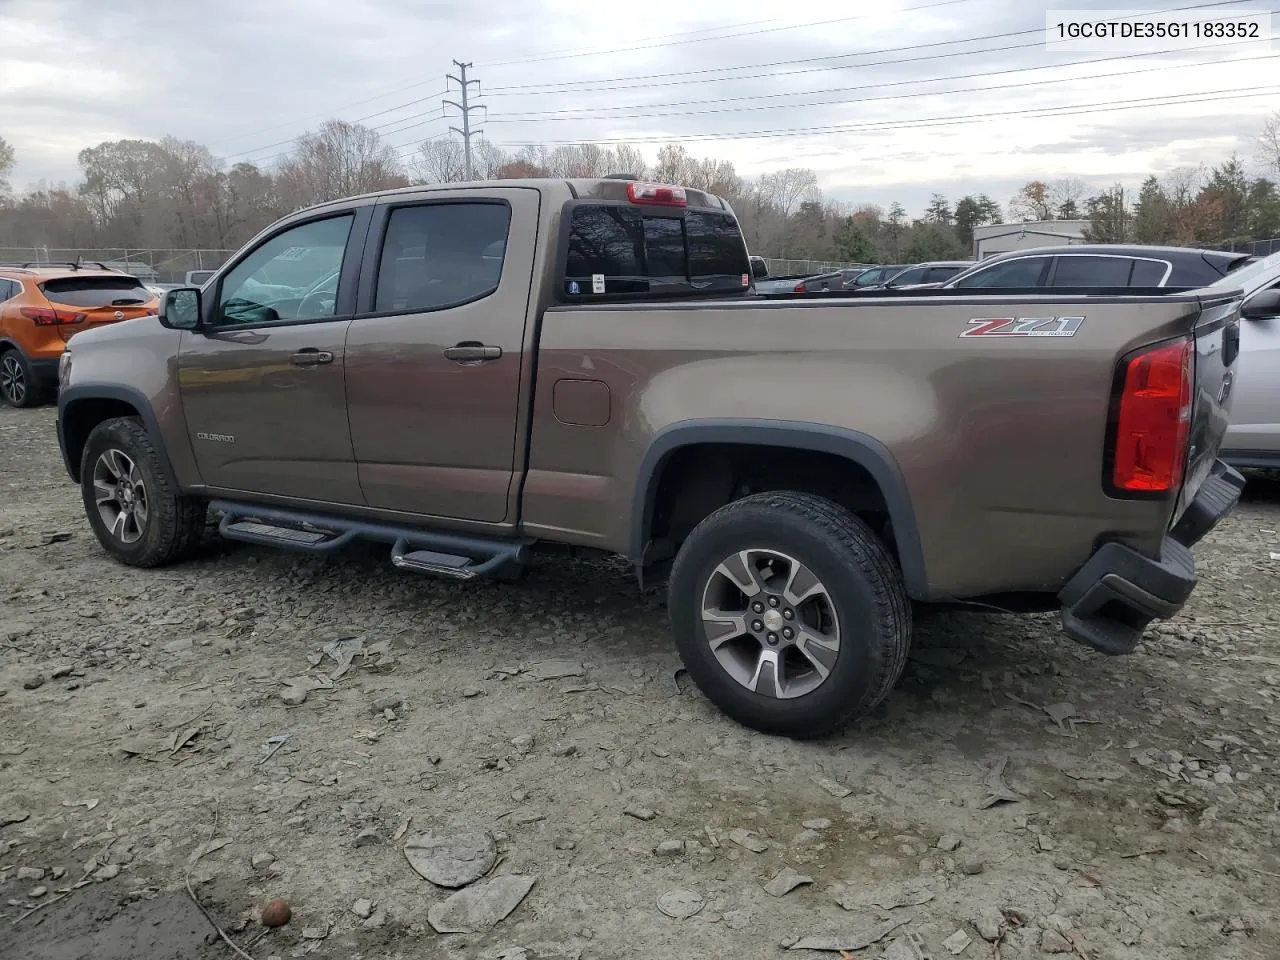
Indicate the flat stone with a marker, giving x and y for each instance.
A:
(957, 943)
(389, 702)
(109, 872)
(989, 922)
(452, 858)
(786, 881)
(563, 750)
(482, 906)
(749, 840)
(33, 681)
(681, 904)
(1054, 942)
(817, 823)
(851, 941)
(363, 908)
(37, 892)
(949, 843)
(29, 873)
(555, 669)
(972, 868)
(837, 790)
(261, 861)
(669, 848)
(640, 813)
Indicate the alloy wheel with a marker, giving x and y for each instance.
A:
(120, 495)
(771, 623)
(13, 380)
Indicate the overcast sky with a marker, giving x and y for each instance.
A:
(243, 75)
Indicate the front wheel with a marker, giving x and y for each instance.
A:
(789, 614)
(137, 514)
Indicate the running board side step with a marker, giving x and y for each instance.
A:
(453, 555)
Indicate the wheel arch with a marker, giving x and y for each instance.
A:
(83, 407)
(857, 449)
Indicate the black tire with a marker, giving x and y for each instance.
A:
(861, 580)
(18, 386)
(175, 523)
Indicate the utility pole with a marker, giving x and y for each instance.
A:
(465, 108)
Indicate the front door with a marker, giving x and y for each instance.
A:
(433, 365)
(262, 384)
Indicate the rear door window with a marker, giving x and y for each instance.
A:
(938, 274)
(619, 250)
(1022, 273)
(914, 275)
(95, 291)
(1092, 272)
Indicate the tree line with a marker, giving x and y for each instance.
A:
(175, 193)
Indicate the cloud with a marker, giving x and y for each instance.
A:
(906, 95)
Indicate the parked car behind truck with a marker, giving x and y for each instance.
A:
(506, 366)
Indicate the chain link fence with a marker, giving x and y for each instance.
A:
(1258, 248)
(150, 265)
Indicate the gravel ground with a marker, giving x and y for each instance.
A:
(141, 717)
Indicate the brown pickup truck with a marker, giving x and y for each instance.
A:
(471, 373)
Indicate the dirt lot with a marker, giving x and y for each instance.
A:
(141, 715)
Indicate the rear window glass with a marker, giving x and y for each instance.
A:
(938, 274)
(95, 291)
(1147, 273)
(632, 252)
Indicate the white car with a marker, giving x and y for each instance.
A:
(1253, 438)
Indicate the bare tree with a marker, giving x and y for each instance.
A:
(1032, 202)
(1066, 195)
(629, 159)
(788, 188)
(7, 161)
(442, 160)
(338, 160)
(1268, 143)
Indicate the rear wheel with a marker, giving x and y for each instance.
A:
(18, 387)
(789, 614)
(137, 514)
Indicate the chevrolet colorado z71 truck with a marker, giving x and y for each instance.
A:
(467, 372)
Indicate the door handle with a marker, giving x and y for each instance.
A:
(310, 357)
(470, 352)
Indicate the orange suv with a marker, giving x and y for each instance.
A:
(42, 305)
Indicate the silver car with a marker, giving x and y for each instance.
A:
(1253, 439)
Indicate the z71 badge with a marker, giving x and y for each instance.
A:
(1023, 327)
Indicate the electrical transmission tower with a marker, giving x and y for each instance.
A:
(465, 107)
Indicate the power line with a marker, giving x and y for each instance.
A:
(558, 116)
(663, 42)
(1064, 110)
(701, 75)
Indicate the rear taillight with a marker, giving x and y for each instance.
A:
(657, 193)
(1153, 419)
(799, 288)
(48, 317)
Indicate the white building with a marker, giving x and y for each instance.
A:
(996, 238)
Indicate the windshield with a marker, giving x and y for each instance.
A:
(1249, 278)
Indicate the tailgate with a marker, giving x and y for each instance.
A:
(100, 298)
(1217, 334)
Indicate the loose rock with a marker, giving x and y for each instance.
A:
(669, 848)
(30, 873)
(681, 904)
(362, 908)
(854, 940)
(480, 907)
(972, 868)
(786, 881)
(989, 923)
(749, 840)
(389, 702)
(451, 859)
(640, 813)
(1054, 942)
(554, 670)
(837, 790)
(949, 843)
(37, 892)
(563, 750)
(957, 943)
(523, 744)
(817, 823)
(33, 681)
(276, 913)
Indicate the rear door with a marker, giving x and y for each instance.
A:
(263, 386)
(434, 354)
(1019, 273)
(101, 298)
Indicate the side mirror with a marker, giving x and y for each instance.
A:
(1262, 306)
(180, 308)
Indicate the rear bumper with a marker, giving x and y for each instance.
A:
(1119, 591)
(44, 372)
